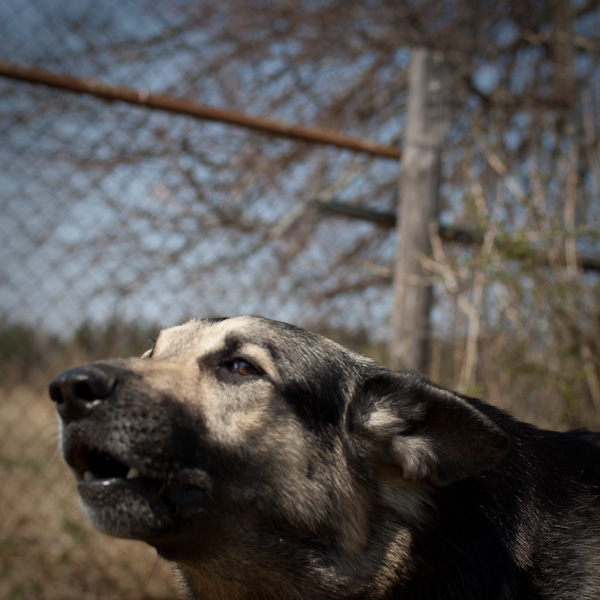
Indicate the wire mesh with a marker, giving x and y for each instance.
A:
(115, 220)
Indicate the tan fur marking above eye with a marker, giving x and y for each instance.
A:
(176, 340)
(261, 358)
(200, 338)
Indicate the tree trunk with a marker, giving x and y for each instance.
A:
(426, 125)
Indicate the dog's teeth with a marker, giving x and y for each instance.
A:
(132, 473)
(88, 476)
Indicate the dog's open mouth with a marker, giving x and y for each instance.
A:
(91, 465)
(99, 473)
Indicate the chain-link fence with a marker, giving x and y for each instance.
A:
(116, 219)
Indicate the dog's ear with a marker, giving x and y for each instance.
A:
(429, 433)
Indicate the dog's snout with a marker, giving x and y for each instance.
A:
(78, 390)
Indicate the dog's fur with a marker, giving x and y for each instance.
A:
(269, 462)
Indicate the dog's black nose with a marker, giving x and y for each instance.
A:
(78, 390)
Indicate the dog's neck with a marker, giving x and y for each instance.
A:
(206, 584)
(321, 577)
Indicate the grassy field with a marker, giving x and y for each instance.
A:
(48, 550)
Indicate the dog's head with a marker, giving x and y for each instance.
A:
(250, 433)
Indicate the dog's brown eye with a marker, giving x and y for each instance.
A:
(243, 367)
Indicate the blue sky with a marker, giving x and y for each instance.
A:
(112, 210)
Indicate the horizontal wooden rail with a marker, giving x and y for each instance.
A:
(172, 104)
(511, 250)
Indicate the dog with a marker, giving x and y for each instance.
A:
(269, 462)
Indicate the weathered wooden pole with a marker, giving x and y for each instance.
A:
(427, 122)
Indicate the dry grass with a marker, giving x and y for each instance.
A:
(48, 550)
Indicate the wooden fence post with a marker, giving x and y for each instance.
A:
(427, 122)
